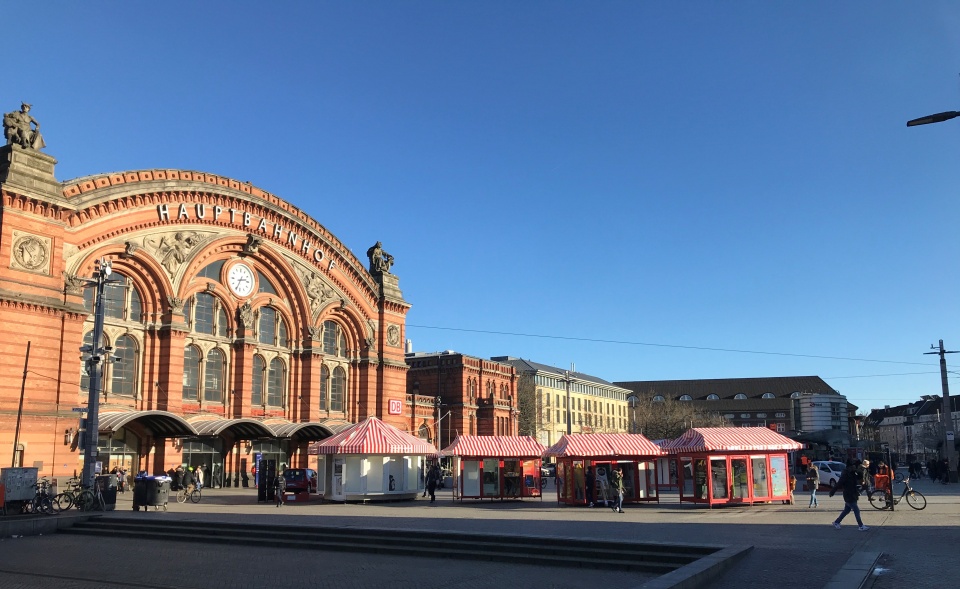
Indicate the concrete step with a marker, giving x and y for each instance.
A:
(572, 552)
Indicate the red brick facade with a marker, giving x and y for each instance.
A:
(317, 342)
(477, 397)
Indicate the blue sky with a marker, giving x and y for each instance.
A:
(680, 178)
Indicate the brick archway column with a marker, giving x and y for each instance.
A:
(242, 378)
(311, 361)
(170, 370)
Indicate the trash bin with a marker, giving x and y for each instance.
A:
(140, 493)
(108, 489)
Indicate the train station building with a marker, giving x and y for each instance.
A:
(241, 325)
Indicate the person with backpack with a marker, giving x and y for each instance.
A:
(849, 484)
(813, 483)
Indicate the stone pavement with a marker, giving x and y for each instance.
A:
(793, 546)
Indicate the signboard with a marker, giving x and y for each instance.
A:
(395, 407)
(949, 436)
(79, 409)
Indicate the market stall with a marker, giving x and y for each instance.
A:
(585, 461)
(372, 461)
(723, 465)
(495, 467)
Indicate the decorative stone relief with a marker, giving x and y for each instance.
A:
(176, 304)
(73, 284)
(372, 336)
(30, 252)
(393, 335)
(246, 316)
(253, 244)
(129, 249)
(173, 249)
(315, 333)
(317, 288)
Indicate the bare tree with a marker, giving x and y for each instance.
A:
(669, 418)
(528, 404)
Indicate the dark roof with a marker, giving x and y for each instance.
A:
(530, 366)
(727, 388)
(928, 405)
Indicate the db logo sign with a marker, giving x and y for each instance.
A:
(396, 407)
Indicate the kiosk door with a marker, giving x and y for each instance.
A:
(740, 485)
(336, 484)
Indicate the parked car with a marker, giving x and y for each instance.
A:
(300, 480)
(830, 471)
(548, 469)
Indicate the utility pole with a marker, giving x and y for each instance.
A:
(948, 450)
(566, 378)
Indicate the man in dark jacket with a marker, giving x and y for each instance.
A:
(849, 483)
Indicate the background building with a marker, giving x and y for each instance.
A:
(596, 406)
(914, 430)
(470, 395)
(803, 407)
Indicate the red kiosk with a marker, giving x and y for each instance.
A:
(723, 465)
(495, 467)
(585, 459)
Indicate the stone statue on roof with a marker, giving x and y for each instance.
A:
(22, 129)
(380, 261)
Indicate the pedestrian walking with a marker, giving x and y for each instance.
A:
(849, 484)
(279, 486)
(616, 482)
(591, 486)
(813, 483)
(198, 474)
(433, 478)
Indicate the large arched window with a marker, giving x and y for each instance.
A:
(124, 377)
(213, 376)
(259, 375)
(338, 386)
(324, 387)
(191, 373)
(276, 383)
(268, 326)
(204, 312)
(120, 299)
(332, 336)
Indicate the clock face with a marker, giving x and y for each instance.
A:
(240, 280)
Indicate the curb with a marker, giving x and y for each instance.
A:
(699, 572)
(855, 571)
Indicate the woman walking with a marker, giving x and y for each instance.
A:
(813, 483)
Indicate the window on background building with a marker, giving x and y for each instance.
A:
(768, 396)
(338, 387)
(191, 373)
(658, 398)
(276, 383)
(713, 397)
(325, 387)
(124, 370)
(761, 415)
(686, 398)
(795, 395)
(213, 376)
(740, 396)
(259, 380)
(780, 414)
(744, 416)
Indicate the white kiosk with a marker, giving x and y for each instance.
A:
(372, 461)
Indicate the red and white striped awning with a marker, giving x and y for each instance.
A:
(730, 439)
(372, 436)
(603, 445)
(495, 447)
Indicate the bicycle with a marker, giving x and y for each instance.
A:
(190, 492)
(68, 498)
(42, 501)
(882, 499)
(91, 499)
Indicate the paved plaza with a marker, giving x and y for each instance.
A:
(794, 546)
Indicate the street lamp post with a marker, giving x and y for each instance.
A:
(937, 118)
(566, 378)
(633, 414)
(94, 367)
